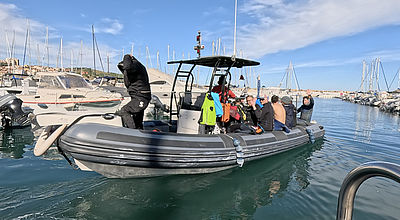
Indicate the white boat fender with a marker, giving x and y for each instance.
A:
(311, 135)
(239, 153)
(46, 139)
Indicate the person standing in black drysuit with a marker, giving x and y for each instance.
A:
(137, 83)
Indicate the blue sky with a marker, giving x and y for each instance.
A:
(326, 40)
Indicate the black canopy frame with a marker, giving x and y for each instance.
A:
(221, 67)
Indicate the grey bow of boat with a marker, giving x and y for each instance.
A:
(118, 152)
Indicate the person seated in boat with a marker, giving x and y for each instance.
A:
(250, 111)
(240, 109)
(218, 89)
(290, 109)
(265, 115)
(261, 113)
(279, 115)
(247, 117)
(237, 115)
(137, 83)
(306, 109)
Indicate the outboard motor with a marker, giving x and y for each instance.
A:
(158, 104)
(11, 112)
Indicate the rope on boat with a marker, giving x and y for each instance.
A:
(239, 153)
(311, 135)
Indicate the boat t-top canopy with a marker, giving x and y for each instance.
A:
(221, 67)
(218, 61)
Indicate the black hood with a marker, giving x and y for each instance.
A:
(135, 76)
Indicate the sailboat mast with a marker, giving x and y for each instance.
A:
(81, 56)
(398, 81)
(371, 73)
(213, 48)
(219, 46)
(9, 53)
(72, 61)
(29, 44)
(378, 62)
(38, 54)
(149, 57)
(158, 60)
(26, 41)
(168, 60)
(108, 63)
(234, 31)
(363, 76)
(94, 52)
(47, 48)
(61, 55)
(13, 52)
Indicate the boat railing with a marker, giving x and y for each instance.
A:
(356, 177)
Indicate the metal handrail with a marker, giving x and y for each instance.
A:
(356, 177)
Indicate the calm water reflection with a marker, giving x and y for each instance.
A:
(300, 184)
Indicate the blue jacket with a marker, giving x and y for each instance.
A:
(217, 103)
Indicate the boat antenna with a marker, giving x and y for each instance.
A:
(198, 47)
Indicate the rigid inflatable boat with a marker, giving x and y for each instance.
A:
(180, 145)
(118, 152)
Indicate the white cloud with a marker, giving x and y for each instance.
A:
(286, 26)
(109, 26)
(11, 20)
(214, 11)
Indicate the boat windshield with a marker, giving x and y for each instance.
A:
(71, 81)
(49, 82)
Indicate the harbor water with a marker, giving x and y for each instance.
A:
(300, 184)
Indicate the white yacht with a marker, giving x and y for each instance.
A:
(64, 96)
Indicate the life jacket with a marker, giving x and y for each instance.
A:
(241, 112)
(226, 108)
(208, 115)
(234, 113)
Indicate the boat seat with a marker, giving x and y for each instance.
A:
(155, 124)
(188, 105)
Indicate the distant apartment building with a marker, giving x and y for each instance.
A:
(9, 62)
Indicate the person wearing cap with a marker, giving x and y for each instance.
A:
(137, 83)
(266, 114)
(290, 110)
